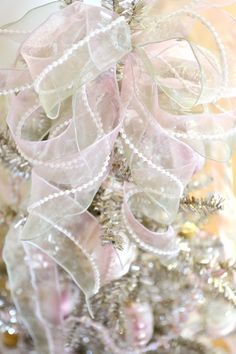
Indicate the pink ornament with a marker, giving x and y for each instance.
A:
(139, 324)
(68, 300)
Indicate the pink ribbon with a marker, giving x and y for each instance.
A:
(161, 166)
(36, 292)
(70, 165)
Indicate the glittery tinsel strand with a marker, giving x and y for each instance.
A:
(11, 159)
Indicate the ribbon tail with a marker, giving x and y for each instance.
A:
(35, 291)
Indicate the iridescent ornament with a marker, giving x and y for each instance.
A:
(220, 318)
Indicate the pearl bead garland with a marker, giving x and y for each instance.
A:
(169, 175)
(147, 247)
(73, 190)
(69, 52)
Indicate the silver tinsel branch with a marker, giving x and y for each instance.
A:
(10, 157)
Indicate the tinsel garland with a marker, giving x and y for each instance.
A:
(11, 159)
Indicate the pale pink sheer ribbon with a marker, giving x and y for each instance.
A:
(164, 170)
(72, 163)
(36, 292)
(72, 159)
(161, 166)
(64, 56)
(208, 73)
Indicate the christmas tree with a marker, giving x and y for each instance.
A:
(117, 178)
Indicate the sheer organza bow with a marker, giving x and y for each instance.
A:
(65, 112)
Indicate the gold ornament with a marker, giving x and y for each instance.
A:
(188, 230)
(10, 338)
